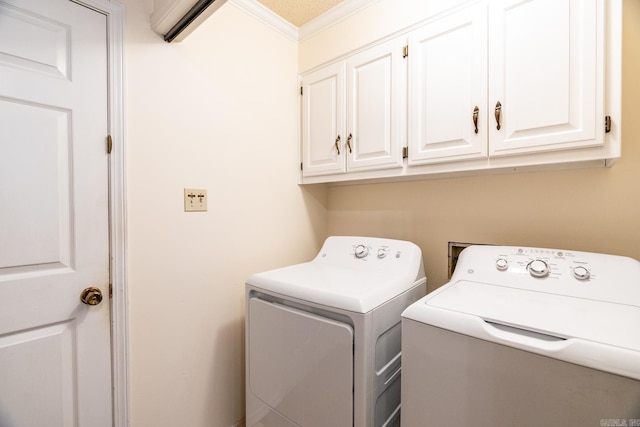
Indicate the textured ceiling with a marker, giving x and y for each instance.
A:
(299, 12)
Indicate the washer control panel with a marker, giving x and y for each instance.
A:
(588, 275)
(543, 263)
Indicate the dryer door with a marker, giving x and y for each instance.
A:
(301, 364)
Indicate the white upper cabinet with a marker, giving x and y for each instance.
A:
(488, 85)
(365, 132)
(376, 93)
(323, 121)
(546, 75)
(448, 88)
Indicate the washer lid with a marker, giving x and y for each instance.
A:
(341, 277)
(555, 315)
(599, 334)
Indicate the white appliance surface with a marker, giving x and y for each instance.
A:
(528, 337)
(350, 273)
(289, 369)
(584, 309)
(323, 338)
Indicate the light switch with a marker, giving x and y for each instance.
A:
(195, 200)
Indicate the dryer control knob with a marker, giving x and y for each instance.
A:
(361, 251)
(382, 252)
(538, 268)
(502, 264)
(581, 273)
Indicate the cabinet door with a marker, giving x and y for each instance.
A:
(323, 121)
(546, 71)
(375, 96)
(447, 81)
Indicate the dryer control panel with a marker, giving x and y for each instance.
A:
(377, 250)
(385, 253)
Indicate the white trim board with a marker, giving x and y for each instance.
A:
(331, 17)
(267, 16)
(114, 12)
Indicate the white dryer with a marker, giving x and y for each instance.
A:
(323, 337)
(525, 337)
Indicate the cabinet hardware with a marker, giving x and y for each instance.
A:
(338, 147)
(300, 165)
(475, 118)
(497, 113)
(607, 124)
(405, 51)
(349, 143)
(405, 152)
(300, 90)
(109, 144)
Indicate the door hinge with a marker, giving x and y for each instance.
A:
(300, 90)
(300, 165)
(405, 51)
(607, 124)
(110, 290)
(109, 144)
(405, 152)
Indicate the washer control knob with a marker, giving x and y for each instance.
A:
(581, 273)
(382, 252)
(361, 251)
(502, 264)
(538, 268)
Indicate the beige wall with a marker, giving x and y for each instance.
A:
(590, 209)
(217, 111)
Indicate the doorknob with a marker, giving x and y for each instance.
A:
(91, 296)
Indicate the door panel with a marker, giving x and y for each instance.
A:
(375, 96)
(55, 354)
(448, 79)
(37, 170)
(33, 355)
(323, 122)
(547, 85)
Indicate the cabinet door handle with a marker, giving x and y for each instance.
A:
(337, 146)
(475, 118)
(498, 111)
(349, 143)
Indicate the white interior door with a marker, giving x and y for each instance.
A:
(55, 358)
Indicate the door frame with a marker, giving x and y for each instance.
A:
(114, 11)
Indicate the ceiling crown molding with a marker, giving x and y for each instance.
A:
(267, 16)
(331, 17)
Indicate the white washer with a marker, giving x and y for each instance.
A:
(527, 337)
(323, 337)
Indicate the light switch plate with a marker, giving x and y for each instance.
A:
(195, 200)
